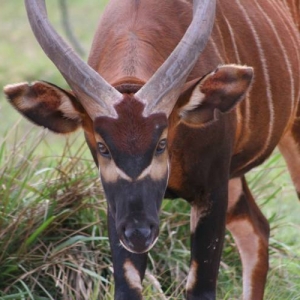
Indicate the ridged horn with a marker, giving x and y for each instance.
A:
(96, 95)
(160, 93)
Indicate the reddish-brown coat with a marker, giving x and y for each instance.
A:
(130, 133)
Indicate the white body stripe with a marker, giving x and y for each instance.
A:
(232, 36)
(295, 44)
(266, 77)
(284, 52)
(216, 49)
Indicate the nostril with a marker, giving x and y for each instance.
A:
(144, 232)
(138, 239)
(129, 232)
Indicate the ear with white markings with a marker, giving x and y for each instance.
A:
(219, 91)
(46, 105)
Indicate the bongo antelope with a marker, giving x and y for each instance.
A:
(169, 106)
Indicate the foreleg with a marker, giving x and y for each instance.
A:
(129, 268)
(250, 230)
(208, 216)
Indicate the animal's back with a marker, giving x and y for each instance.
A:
(262, 34)
(259, 33)
(139, 38)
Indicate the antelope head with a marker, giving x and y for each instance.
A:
(127, 133)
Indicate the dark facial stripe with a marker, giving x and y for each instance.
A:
(131, 138)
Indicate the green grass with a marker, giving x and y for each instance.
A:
(51, 221)
(53, 234)
(21, 58)
(274, 191)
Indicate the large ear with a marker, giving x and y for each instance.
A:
(219, 91)
(46, 105)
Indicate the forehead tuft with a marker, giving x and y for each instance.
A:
(131, 132)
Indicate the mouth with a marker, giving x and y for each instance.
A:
(138, 235)
(131, 248)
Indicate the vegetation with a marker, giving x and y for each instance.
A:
(53, 234)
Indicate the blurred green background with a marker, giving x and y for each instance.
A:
(21, 58)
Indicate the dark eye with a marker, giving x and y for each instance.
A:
(161, 146)
(103, 150)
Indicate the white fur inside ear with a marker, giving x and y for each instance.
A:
(196, 100)
(15, 92)
(67, 108)
(9, 87)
